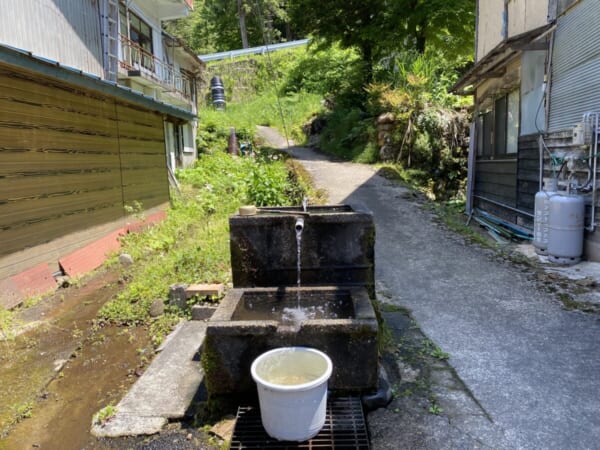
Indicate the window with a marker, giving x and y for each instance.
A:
(139, 34)
(512, 123)
(500, 108)
(484, 137)
(499, 128)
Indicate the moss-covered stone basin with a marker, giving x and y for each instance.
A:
(345, 328)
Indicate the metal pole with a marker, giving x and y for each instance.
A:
(503, 205)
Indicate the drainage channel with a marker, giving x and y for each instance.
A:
(344, 429)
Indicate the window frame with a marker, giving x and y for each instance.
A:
(498, 128)
(144, 40)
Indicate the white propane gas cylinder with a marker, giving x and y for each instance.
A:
(541, 213)
(565, 229)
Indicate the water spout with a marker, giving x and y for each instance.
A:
(299, 225)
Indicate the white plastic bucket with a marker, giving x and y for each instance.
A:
(292, 391)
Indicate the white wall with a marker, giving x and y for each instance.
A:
(490, 15)
(525, 15)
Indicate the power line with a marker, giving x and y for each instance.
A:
(270, 64)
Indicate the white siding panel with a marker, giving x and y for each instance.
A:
(526, 15)
(489, 26)
(576, 65)
(67, 31)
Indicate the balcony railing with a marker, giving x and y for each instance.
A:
(134, 57)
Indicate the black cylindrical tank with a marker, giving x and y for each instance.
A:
(218, 92)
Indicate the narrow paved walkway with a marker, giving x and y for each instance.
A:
(531, 366)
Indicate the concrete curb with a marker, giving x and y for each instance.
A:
(39, 280)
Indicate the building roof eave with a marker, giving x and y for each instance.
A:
(191, 55)
(488, 66)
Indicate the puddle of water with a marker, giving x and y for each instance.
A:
(284, 309)
(100, 364)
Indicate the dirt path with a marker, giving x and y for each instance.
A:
(65, 368)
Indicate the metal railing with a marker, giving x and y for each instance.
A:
(134, 57)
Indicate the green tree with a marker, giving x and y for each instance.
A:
(221, 25)
(375, 28)
(439, 25)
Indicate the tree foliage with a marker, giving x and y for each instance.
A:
(377, 28)
(214, 25)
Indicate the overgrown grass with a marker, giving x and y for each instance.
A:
(297, 80)
(263, 109)
(7, 324)
(350, 134)
(192, 244)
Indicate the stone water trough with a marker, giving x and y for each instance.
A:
(336, 314)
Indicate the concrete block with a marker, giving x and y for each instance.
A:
(337, 247)
(200, 312)
(178, 295)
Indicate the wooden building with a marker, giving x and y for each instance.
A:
(97, 106)
(534, 78)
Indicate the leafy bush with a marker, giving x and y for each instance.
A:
(348, 135)
(268, 185)
(326, 72)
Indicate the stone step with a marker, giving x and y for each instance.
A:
(204, 289)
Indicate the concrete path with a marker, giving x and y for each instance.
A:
(530, 367)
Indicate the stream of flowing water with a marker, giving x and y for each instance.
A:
(298, 314)
(299, 261)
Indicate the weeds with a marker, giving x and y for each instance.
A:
(452, 215)
(439, 354)
(104, 415)
(260, 110)
(23, 411)
(7, 324)
(435, 409)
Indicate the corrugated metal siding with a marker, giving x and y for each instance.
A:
(67, 31)
(575, 67)
(62, 151)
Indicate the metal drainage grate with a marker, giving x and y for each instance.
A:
(344, 429)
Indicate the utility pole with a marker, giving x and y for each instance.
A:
(243, 31)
